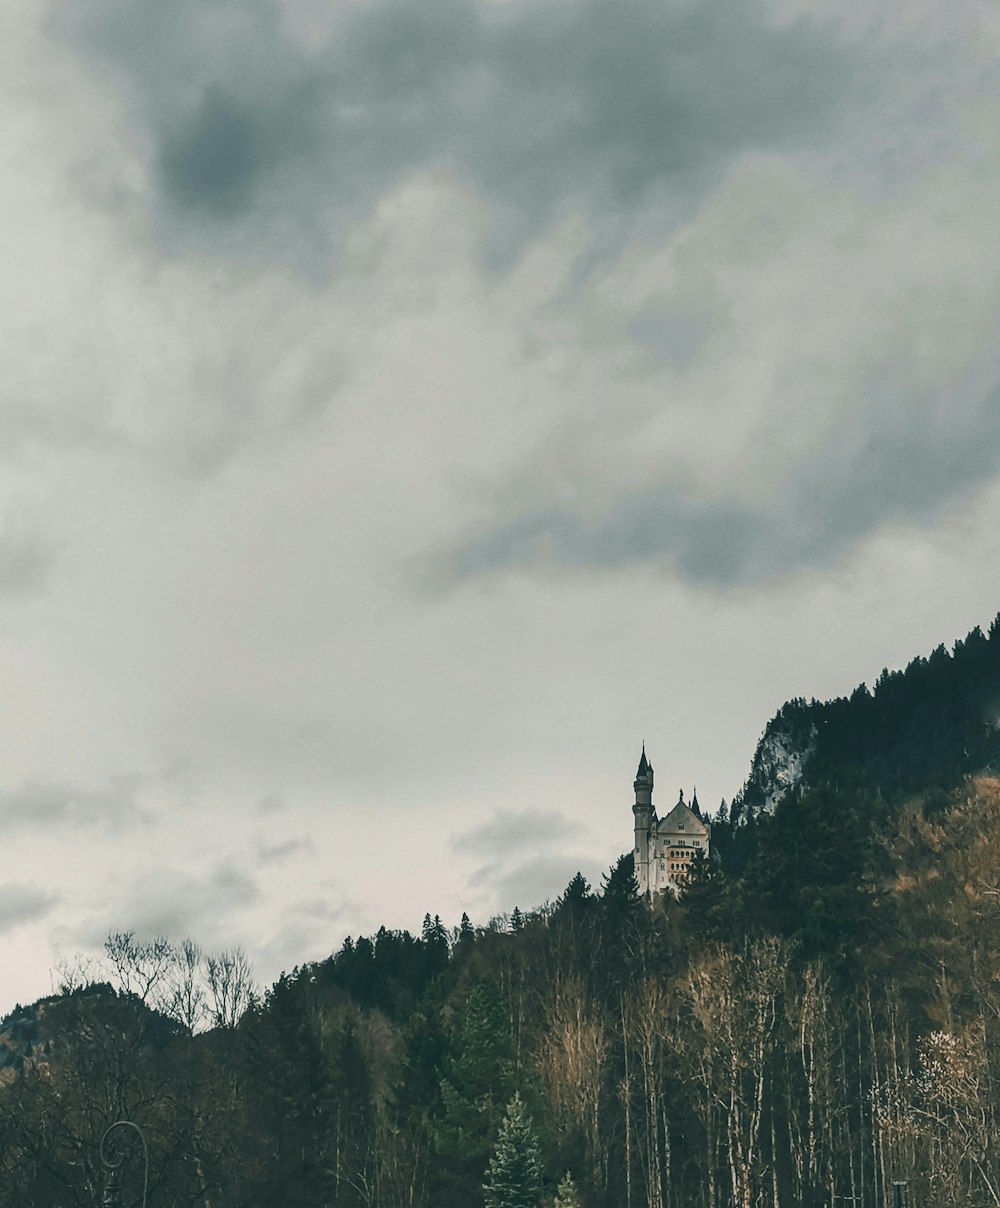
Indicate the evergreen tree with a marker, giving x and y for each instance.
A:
(808, 874)
(567, 1195)
(621, 889)
(704, 904)
(288, 1076)
(477, 1080)
(435, 940)
(514, 1176)
(572, 927)
(576, 895)
(722, 838)
(626, 946)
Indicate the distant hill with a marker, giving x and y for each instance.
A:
(38, 1034)
(927, 726)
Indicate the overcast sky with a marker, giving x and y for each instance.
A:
(408, 408)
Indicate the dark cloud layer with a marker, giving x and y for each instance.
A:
(214, 162)
(26, 559)
(544, 108)
(903, 460)
(528, 853)
(510, 833)
(176, 903)
(278, 853)
(21, 903)
(535, 881)
(40, 806)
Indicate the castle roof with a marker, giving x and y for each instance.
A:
(682, 820)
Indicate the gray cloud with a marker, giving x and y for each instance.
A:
(319, 909)
(309, 929)
(543, 108)
(20, 903)
(26, 558)
(525, 856)
(534, 882)
(902, 460)
(38, 806)
(511, 832)
(214, 161)
(277, 853)
(271, 803)
(174, 903)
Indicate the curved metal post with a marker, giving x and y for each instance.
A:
(112, 1163)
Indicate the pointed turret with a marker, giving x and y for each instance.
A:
(644, 774)
(644, 815)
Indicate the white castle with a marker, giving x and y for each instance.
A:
(665, 847)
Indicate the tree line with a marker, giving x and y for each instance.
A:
(804, 1031)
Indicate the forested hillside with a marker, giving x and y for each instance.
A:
(928, 725)
(814, 1019)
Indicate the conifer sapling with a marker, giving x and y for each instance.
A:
(514, 1175)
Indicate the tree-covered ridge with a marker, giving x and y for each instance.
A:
(728, 1048)
(927, 725)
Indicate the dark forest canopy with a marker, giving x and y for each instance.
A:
(925, 726)
(816, 1017)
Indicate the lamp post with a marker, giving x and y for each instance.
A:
(113, 1160)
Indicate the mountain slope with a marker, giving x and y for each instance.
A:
(926, 726)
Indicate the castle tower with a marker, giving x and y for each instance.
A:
(644, 815)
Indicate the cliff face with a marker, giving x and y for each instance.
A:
(779, 762)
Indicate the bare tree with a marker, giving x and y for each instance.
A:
(645, 1034)
(572, 1062)
(813, 1093)
(75, 973)
(733, 1003)
(140, 967)
(187, 996)
(231, 986)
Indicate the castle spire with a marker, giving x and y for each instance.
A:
(645, 817)
(644, 774)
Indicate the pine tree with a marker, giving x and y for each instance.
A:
(514, 1175)
(576, 895)
(477, 1079)
(625, 935)
(567, 1195)
(706, 908)
(621, 889)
